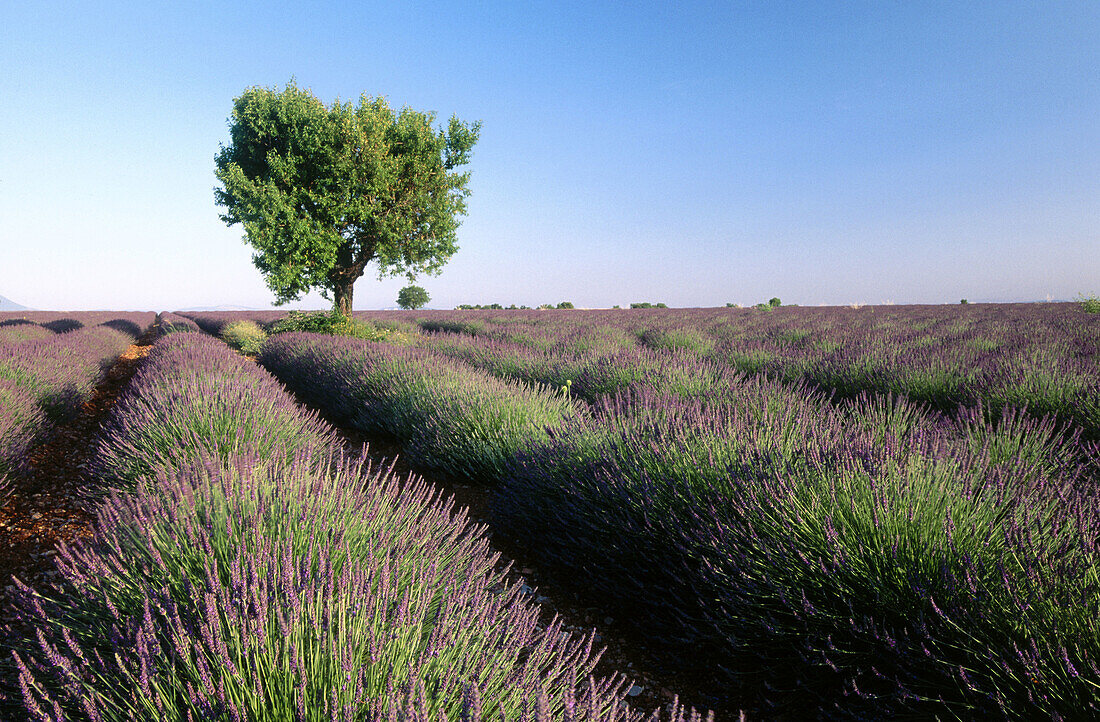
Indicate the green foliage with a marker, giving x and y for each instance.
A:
(565, 304)
(323, 191)
(964, 302)
(245, 336)
(774, 302)
(682, 338)
(332, 324)
(647, 304)
(1089, 304)
(494, 307)
(411, 297)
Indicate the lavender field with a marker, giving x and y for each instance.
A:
(857, 513)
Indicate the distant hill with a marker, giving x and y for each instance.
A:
(9, 305)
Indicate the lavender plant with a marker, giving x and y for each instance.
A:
(194, 396)
(857, 573)
(44, 381)
(174, 323)
(21, 423)
(450, 416)
(254, 584)
(22, 331)
(273, 592)
(1039, 356)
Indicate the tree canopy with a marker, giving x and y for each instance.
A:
(323, 191)
(412, 297)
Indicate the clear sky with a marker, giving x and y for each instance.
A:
(692, 153)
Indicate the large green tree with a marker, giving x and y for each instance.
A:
(324, 191)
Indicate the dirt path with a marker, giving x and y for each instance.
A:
(52, 502)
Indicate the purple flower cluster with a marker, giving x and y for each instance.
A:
(221, 404)
(45, 379)
(20, 330)
(450, 416)
(174, 323)
(1042, 357)
(255, 580)
(866, 557)
(22, 422)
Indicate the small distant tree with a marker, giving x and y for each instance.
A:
(565, 304)
(411, 297)
(774, 302)
(322, 192)
(964, 302)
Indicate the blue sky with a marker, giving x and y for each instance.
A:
(690, 153)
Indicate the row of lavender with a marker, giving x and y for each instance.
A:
(1045, 357)
(242, 569)
(17, 326)
(868, 558)
(45, 375)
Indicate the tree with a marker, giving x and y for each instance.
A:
(323, 191)
(411, 297)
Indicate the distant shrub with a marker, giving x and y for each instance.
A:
(566, 304)
(647, 304)
(332, 324)
(964, 302)
(473, 326)
(245, 336)
(774, 302)
(1090, 304)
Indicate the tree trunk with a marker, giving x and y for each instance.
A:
(341, 295)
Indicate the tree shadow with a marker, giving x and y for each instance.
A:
(127, 327)
(63, 325)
